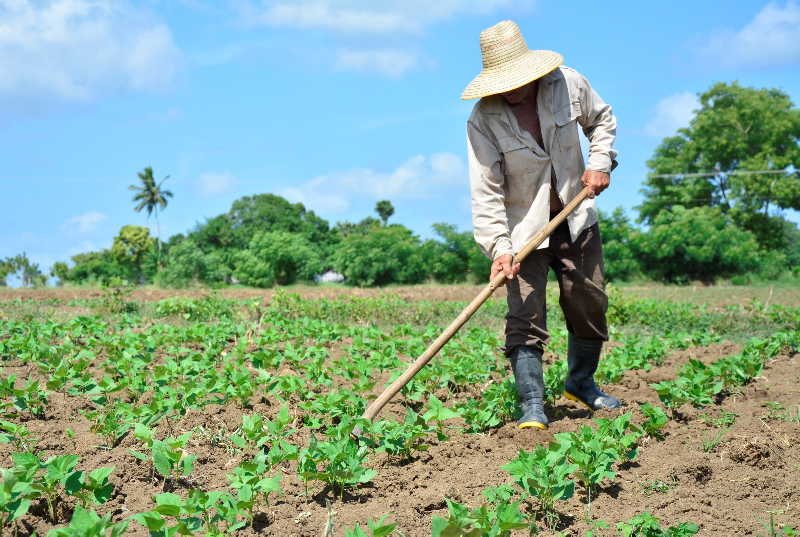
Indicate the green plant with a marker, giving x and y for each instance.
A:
(92, 487)
(655, 420)
(724, 419)
(774, 531)
(438, 413)
(657, 486)
(543, 474)
(479, 522)
(338, 462)
(89, 524)
(16, 494)
(249, 479)
(167, 456)
(402, 439)
(377, 528)
(710, 443)
(16, 435)
(646, 525)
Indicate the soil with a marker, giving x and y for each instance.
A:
(727, 489)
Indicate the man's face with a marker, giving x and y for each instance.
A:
(518, 95)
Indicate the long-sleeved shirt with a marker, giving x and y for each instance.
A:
(510, 173)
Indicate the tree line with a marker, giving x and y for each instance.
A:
(713, 207)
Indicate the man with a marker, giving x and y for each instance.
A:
(525, 162)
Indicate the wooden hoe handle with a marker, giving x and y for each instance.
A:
(473, 306)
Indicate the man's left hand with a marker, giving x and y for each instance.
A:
(598, 181)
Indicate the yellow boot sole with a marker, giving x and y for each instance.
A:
(578, 400)
(532, 425)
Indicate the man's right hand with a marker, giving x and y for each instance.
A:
(504, 263)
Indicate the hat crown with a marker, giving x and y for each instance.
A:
(501, 43)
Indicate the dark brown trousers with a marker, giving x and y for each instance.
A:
(579, 269)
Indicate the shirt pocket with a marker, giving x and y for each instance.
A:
(518, 159)
(566, 120)
(524, 170)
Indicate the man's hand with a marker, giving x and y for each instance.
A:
(505, 264)
(598, 181)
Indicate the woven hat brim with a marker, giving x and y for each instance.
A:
(513, 74)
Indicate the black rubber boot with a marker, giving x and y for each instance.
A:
(526, 362)
(583, 356)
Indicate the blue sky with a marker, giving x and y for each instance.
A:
(336, 103)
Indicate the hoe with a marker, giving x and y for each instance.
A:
(467, 312)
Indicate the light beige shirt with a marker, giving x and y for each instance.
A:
(510, 172)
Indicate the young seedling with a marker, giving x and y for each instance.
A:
(89, 524)
(252, 484)
(15, 498)
(543, 474)
(462, 521)
(646, 525)
(655, 420)
(167, 456)
(338, 463)
(376, 528)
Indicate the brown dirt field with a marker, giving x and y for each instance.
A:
(715, 295)
(727, 491)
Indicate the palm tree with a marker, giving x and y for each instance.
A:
(150, 196)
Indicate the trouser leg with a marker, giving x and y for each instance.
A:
(579, 268)
(526, 335)
(526, 321)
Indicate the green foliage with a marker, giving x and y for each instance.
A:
(700, 243)
(131, 245)
(403, 439)
(167, 456)
(736, 129)
(382, 255)
(376, 528)
(480, 522)
(277, 257)
(385, 209)
(646, 525)
(454, 257)
(655, 420)
(252, 215)
(619, 250)
(543, 474)
(338, 462)
(87, 523)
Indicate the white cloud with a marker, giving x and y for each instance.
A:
(417, 178)
(672, 113)
(214, 183)
(772, 38)
(368, 16)
(84, 223)
(389, 62)
(75, 49)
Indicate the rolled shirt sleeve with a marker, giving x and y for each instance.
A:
(599, 126)
(487, 188)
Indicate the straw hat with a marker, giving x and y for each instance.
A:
(508, 63)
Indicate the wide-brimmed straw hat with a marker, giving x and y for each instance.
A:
(508, 63)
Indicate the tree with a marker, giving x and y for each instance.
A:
(60, 271)
(619, 249)
(385, 209)
(130, 247)
(455, 256)
(736, 130)
(700, 243)
(267, 212)
(29, 273)
(277, 257)
(151, 197)
(383, 255)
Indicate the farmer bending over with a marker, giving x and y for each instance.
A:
(525, 162)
